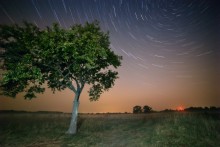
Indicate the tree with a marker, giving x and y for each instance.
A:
(146, 109)
(137, 109)
(60, 58)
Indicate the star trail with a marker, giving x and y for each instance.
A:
(170, 50)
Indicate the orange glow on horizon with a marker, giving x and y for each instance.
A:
(180, 108)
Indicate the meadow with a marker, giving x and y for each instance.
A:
(177, 129)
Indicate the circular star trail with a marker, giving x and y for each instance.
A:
(170, 48)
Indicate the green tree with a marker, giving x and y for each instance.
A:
(137, 109)
(60, 58)
(147, 109)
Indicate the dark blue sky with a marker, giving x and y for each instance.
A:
(170, 48)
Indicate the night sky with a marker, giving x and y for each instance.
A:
(170, 51)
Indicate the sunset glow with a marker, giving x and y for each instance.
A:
(180, 108)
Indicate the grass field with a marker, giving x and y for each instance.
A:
(177, 129)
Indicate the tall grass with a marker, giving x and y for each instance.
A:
(111, 130)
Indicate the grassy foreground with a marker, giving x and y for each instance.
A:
(111, 130)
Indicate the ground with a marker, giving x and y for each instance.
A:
(110, 130)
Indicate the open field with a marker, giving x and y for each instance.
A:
(111, 130)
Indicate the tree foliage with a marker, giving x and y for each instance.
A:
(147, 109)
(137, 109)
(60, 58)
(21, 71)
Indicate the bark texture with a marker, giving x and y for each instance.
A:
(73, 123)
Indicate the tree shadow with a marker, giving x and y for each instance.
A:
(80, 122)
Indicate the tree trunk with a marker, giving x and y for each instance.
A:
(73, 123)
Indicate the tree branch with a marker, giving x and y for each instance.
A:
(71, 87)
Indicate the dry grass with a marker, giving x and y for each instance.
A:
(111, 130)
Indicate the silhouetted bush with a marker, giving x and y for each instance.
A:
(137, 109)
(147, 109)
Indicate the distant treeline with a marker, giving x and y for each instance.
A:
(197, 109)
(136, 109)
(203, 109)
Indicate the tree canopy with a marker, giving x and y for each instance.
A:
(137, 109)
(61, 58)
(147, 109)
